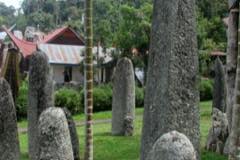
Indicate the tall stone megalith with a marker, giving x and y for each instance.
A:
(9, 143)
(219, 88)
(40, 96)
(123, 103)
(172, 146)
(172, 96)
(54, 136)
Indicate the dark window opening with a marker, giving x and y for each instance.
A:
(67, 74)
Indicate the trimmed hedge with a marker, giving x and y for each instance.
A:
(21, 101)
(139, 94)
(206, 89)
(102, 98)
(102, 95)
(70, 99)
(74, 99)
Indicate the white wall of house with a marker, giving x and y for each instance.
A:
(100, 75)
(77, 76)
(58, 74)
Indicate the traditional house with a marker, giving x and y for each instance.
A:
(65, 50)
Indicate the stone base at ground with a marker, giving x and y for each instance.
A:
(218, 133)
(172, 146)
(73, 134)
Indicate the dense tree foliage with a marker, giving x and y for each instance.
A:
(6, 14)
(211, 29)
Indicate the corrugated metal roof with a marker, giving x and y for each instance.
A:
(63, 54)
(71, 55)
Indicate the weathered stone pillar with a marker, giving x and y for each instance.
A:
(10, 71)
(9, 143)
(123, 103)
(54, 136)
(231, 64)
(73, 134)
(172, 146)
(40, 96)
(172, 96)
(219, 88)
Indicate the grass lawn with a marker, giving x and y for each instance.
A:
(107, 147)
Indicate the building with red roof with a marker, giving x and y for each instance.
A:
(65, 35)
(65, 50)
(61, 36)
(26, 48)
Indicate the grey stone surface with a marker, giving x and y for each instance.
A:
(218, 133)
(9, 143)
(128, 126)
(231, 62)
(40, 96)
(172, 96)
(219, 87)
(123, 103)
(172, 146)
(226, 146)
(54, 136)
(73, 134)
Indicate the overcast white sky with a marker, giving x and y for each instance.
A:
(15, 3)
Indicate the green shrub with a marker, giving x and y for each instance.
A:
(74, 100)
(21, 101)
(70, 99)
(206, 89)
(139, 93)
(102, 98)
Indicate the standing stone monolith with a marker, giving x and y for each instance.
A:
(219, 88)
(231, 63)
(40, 96)
(172, 146)
(73, 134)
(54, 136)
(123, 103)
(172, 96)
(232, 56)
(9, 143)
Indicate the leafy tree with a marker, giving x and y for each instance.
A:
(44, 20)
(7, 14)
(134, 28)
(105, 20)
(212, 8)
(2, 20)
(21, 21)
(6, 11)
